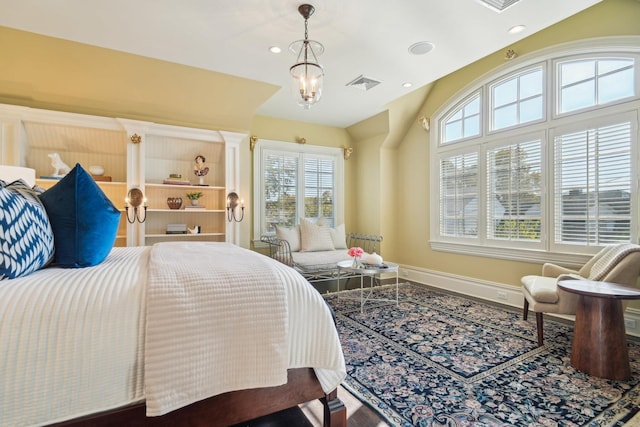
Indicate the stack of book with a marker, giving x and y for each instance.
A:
(195, 207)
(176, 181)
(176, 228)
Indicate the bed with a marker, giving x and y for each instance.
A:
(172, 334)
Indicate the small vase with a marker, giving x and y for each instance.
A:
(355, 262)
(194, 202)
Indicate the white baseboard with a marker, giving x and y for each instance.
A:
(492, 291)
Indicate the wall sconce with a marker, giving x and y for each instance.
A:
(134, 199)
(424, 122)
(347, 152)
(232, 203)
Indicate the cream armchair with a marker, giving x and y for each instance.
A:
(618, 264)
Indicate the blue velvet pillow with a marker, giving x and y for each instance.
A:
(26, 237)
(84, 220)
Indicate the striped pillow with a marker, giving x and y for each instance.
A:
(26, 237)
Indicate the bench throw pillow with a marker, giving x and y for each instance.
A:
(84, 221)
(291, 235)
(26, 237)
(338, 234)
(339, 237)
(314, 237)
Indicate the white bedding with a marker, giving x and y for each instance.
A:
(73, 340)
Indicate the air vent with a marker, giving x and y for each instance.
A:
(363, 83)
(498, 5)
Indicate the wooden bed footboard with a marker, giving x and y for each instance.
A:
(229, 408)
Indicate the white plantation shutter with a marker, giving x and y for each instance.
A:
(280, 173)
(459, 196)
(514, 191)
(593, 185)
(293, 182)
(319, 185)
(557, 145)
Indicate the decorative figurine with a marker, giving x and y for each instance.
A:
(200, 170)
(60, 168)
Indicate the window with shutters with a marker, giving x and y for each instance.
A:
(593, 183)
(293, 181)
(459, 195)
(514, 206)
(551, 165)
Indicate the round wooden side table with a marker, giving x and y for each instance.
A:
(599, 342)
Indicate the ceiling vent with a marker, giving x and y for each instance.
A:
(498, 5)
(363, 83)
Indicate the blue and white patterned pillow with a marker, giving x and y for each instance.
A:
(26, 237)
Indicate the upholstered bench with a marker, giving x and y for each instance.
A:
(315, 249)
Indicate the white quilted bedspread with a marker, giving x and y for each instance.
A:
(73, 340)
(218, 320)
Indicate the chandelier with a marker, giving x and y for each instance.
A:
(306, 73)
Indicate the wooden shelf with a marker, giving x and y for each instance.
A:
(143, 162)
(177, 236)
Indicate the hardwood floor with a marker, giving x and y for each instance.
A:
(358, 414)
(310, 415)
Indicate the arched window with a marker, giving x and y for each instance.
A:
(546, 161)
(463, 121)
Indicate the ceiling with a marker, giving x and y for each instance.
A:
(360, 37)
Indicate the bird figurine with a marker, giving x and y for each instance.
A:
(60, 168)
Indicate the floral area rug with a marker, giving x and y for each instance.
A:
(442, 360)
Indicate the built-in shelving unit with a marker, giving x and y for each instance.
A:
(134, 154)
(168, 153)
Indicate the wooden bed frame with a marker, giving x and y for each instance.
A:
(229, 408)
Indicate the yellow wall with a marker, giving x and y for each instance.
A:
(611, 17)
(50, 73)
(387, 177)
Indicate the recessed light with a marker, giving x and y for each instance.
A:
(420, 48)
(407, 84)
(275, 49)
(516, 29)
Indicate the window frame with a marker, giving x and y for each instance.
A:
(489, 107)
(505, 142)
(555, 67)
(578, 125)
(314, 151)
(458, 107)
(610, 47)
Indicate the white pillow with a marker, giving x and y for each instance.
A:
(339, 237)
(291, 235)
(314, 237)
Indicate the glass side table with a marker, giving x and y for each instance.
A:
(370, 271)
